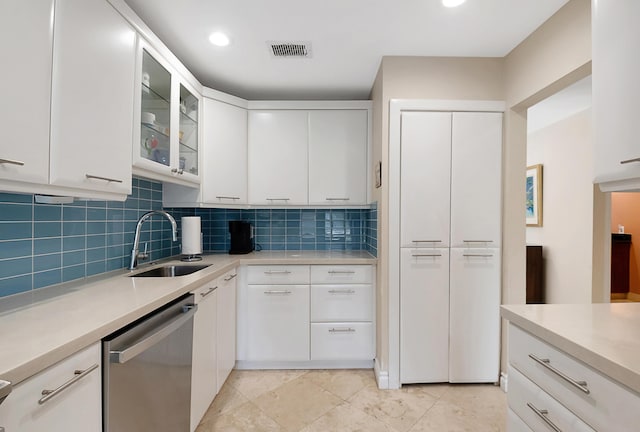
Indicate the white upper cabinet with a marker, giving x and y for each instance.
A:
(224, 138)
(616, 89)
(278, 157)
(476, 172)
(26, 89)
(166, 144)
(338, 157)
(425, 177)
(92, 97)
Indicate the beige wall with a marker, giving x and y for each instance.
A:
(567, 230)
(557, 54)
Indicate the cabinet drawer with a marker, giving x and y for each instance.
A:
(539, 410)
(277, 274)
(607, 405)
(341, 302)
(327, 274)
(342, 341)
(515, 423)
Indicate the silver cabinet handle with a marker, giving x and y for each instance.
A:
(337, 199)
(126, 354)
(228, 197)
(630, 161)
(342, 330)
(177, 171)
(581, 385)
(426, 241)
(345, 291)
(79, 374)
(227, 279)
(543, 415)
(426, 255)
(477, 241)
(278, 199)
(107, 179)
(341, 271)
(285, 292)
(204, 294)
(5, 390)
(271, 272)
(478, 255)
(11, 162)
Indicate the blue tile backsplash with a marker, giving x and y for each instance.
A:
(42, 245)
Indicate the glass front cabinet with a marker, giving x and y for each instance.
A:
(167, 145)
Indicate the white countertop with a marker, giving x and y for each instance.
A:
(42, 327)
(605, 336)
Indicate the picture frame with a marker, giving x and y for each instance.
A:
(533, 200)
(378, 174)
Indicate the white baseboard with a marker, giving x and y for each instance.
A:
(308, 364)
(382, 377)
(504, 381)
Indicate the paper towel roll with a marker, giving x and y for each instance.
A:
(191, 237)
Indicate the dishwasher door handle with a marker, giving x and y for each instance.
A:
(126, 354)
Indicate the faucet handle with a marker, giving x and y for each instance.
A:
(145, 254)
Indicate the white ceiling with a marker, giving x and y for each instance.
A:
(348, 37)
(565, 103)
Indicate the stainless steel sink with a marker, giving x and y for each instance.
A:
(171, 271)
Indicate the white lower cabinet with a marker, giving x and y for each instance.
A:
(278, 327)
(515, 423)
(342, 341)
(74, 401)
(204, 366)
(226, 326)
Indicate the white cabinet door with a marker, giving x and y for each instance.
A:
(616, 89)
(474, 347)
(77, 407)
(342, 341)
(204, 365)
(338, 157)
(226, 326)
(424, 323)
(278, 322)
(92, 97)
(476, 173)
(225, 153)
(425, 176)
(26, 43)
(278, 172)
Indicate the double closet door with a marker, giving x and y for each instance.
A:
(450, 246)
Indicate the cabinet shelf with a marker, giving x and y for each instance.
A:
(188, 119)
(148, 95)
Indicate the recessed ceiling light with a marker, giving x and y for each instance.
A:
(219, 39)
(452, 3)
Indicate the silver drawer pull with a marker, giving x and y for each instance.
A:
(426, 241)
(341, 271)
(630, 161)
(426, 255)
(272, 272)
(543, 415)
(228, 197)
(48, 394)
(477, 241)
(342, 330)
(337, 199)
(278, 199)
(581, 385)
(227, 279)
(478, 255)
(345, 291)
(284, 292)
(107, 179)
(204, 294)
(11, 162)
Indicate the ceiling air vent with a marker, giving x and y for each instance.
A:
(290, 49)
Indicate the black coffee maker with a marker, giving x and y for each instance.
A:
(241, 237)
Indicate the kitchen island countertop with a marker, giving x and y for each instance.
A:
(605, 336)
(41, 327)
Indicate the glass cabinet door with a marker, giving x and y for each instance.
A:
(188, 133)
(156, 110)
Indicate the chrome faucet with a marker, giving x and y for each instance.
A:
(135, 252)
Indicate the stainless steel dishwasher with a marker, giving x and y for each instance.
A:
(147, 371)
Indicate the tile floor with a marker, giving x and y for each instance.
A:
(349, 400)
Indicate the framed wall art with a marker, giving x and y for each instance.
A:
(534, 196)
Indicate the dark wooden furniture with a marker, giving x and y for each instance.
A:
(535, 274)
(620, 248)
